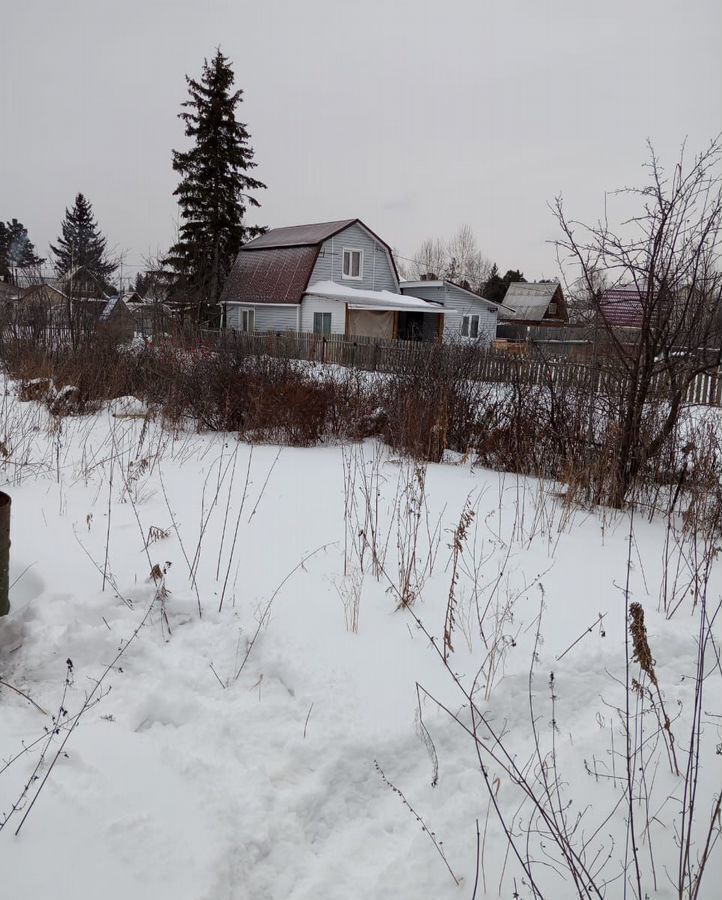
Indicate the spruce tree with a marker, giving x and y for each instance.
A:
(4, 266)
(16, 249)
(494, 289)
(213, 190)
(81, 244)
(20, 249)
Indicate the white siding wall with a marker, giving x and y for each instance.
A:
(337, 308)
(268, 318)
(378, 273)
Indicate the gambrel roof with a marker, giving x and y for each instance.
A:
(276, 266)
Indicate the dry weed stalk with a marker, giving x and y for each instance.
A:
(458, 540)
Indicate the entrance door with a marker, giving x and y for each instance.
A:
(411, 326)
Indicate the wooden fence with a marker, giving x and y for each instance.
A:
(482, 364)
(374, 355)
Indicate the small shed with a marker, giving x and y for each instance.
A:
(116, 319)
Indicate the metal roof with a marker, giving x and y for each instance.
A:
(108, 308)
(529, 301)
(622, 307)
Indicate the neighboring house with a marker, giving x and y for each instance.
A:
(622, 307)
(467, 316)
(80, 283)
(331, 278)
(40, 305)
(536, 304)
(9, 292)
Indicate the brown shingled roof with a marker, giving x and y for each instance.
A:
(298, 235)
(273, 275)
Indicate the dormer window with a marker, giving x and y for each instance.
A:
(353, 264)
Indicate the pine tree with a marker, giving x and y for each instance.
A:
(82, 245)
(213, 189)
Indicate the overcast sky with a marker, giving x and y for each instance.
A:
(414, 115)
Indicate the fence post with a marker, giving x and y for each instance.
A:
(5, 504)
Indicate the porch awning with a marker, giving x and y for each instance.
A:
(380, 301)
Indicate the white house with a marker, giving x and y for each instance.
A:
(331, 278)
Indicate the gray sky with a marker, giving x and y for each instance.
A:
(416, 116)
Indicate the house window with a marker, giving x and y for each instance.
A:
(553, 308)
(322, 323)
(247, 321)
(353, 264)
(470, 327)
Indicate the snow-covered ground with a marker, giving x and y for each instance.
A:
(236, 754)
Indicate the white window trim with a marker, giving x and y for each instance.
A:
(250, 315)
(360, 275)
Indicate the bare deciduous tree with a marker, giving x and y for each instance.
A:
(669, 255)
(458, 259)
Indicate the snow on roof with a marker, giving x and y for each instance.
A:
(108, 308)
(376, 299)
(439, 283)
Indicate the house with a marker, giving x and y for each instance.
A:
(622, 307)
(329, 278)
(467, 316)
(536, 304)
(42, 303)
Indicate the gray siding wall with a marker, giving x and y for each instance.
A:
(268, 318)
(337, 308)
(232, 317)
(459, 303)
(378, 273)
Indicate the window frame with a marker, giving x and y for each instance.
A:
(322, 314)
(470, 326)
(351, 251)
(247, 320)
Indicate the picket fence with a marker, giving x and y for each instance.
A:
(482, 364)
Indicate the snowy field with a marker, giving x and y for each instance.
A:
(238, 752)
